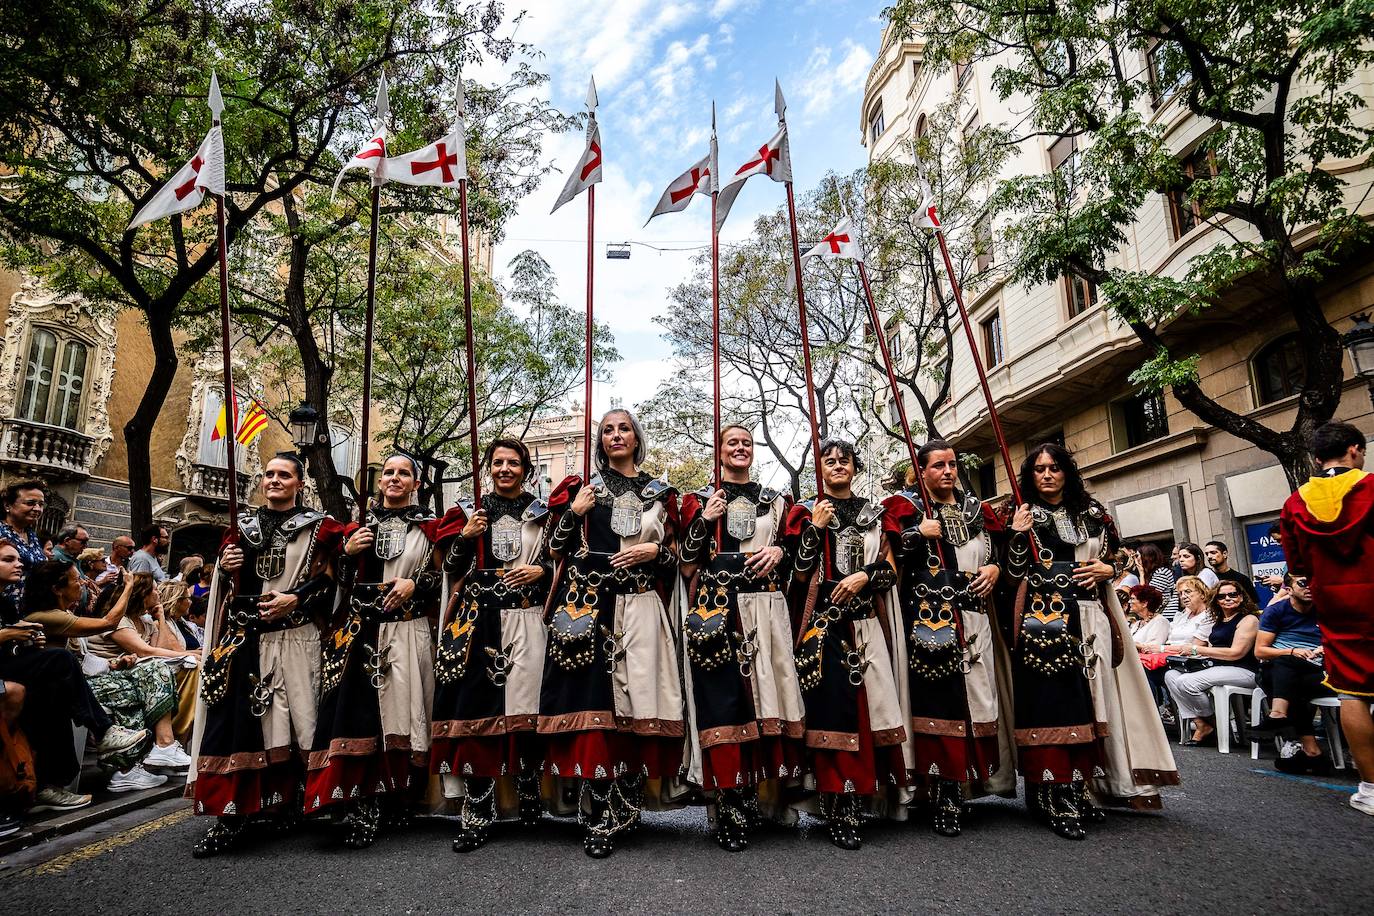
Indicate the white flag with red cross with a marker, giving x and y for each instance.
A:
(587, 172)
(372, 156)
(927, 218)
(694, 181)
(772, 159)
(840, 243)
(205, 172)
(440, 165)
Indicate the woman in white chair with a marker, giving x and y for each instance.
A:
(1227, 660)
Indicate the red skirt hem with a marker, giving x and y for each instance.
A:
(608, 754)
(346, 778)
(729, 766)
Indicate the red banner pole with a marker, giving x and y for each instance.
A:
(805, 343)
(365, 435)
(587, 396)
(471, 348)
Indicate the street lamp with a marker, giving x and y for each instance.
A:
(305, 424)
(1359, 343)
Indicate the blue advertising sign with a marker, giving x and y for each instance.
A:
(1264, 550)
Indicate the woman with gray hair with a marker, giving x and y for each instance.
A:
(611, 702)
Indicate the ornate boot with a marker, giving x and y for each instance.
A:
(845, 821)
(732, 821)
(627, 801)
(948, 807)
(1065, 819)
(222, 836)
(595, 810)
(1087, 808)
(478, 814)
(527, 790)
(361, 823)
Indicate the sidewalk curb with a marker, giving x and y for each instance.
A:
(62, 823)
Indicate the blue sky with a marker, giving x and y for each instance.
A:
(658, 66)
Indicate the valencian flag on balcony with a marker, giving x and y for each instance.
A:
(439, 165)
(587, 172)
(205, 172)
(253, 422)
(373, 154)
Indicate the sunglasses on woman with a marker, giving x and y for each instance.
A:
(1228, 596)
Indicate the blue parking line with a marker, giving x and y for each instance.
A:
(1334, 786)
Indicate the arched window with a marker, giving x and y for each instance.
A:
(54, 379)
(1279, 366)
(921, 127)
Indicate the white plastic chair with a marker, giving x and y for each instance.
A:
(1221, 704)
(1256, 714)
(1331, 720)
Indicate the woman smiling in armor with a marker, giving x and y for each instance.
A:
(843, 574)
(491, 651)
(1081, 715)
(611, 703)
(746, 702)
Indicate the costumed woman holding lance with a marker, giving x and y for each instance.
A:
(842, 576)
(944, 651)
(369, 760)
(746, 704)
(1082, 717)
(255, 720)
(491, 649)
(611, 702)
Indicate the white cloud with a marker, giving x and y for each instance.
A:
(722, 8)
(824, 84)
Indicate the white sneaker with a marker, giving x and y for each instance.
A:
(56, 798)
(173, 756)
(134, 778)
(1363, 801)
(118, 738)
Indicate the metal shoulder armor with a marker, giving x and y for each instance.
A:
(656, 489)
(250, 529)
(535, 511)
(301, 520)
(768, 494)
(868, 515)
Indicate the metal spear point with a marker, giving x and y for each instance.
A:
(382, 104)
(591, 95)
(779, 103)
(215, 101)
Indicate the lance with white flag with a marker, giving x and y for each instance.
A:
(681, 190)
(584, 177)
(467, 317)
(372, 156)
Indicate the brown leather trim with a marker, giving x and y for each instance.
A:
(1063, 734)
(482, 728)
(341, 747)
(832, 741)
(1155, 777)
(952, 728)
(591, 720)
(775, 727)
(652, 728)
(245, 760)
(984, 729)
(729, 734)
(887, 737)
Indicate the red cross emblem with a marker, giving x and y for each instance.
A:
(444, 159)
(835, 239)
(766, 157)
(374, 149)
(184, 189)
(697, 176)
(593, 164)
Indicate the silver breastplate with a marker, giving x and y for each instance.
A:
(271, 559)
(741, 518)
(627, 514)
(954, 526)
(505, 538)
(391, 538)
(1069, 529)
(849, 551)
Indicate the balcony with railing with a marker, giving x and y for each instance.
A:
(49, 450)
(211, 483)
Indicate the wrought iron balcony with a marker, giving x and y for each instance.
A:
(211, 483)
(51, 450)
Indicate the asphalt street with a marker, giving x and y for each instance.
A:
(1234, 838)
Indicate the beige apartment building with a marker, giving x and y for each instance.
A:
(1058, 363)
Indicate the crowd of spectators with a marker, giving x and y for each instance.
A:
(105, 642)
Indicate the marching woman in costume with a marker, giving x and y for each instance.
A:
(611, 702)
(1083, 719)
(842, 578)
(944, 640)
(491, 649)
(255, 718)
(746, 702)
(370, 755)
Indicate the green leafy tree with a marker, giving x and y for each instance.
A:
(1280, 83)
(99, 100)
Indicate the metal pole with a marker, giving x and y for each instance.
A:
(472, 359)
(805, 343)
(366, 433)
(587, 396)
(231, 407)
(715, 338)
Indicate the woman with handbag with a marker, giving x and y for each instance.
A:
(1226, 660)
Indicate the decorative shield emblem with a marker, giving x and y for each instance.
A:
(741, 518)
(849, 551)
(271, 560)
(627, 514)
(391, 538)
(1069, 531)
(505, 538)
(954, 526)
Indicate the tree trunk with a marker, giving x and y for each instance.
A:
(138, 432)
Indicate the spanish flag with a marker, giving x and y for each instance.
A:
(254, 421)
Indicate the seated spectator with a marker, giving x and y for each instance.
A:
(1289, 648)
(11, 705)
(148, 558)
(1217, 555)
(1191, 563)
(1156, 573)
(95, 575)
(24, 505)
(69, 543)
(135, 696)
(188, 570)
(56, 693)
(171, 630)
(1190, 627)
(1148, 626)
(1128, 579)
(147, 685)
(1227, 660)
